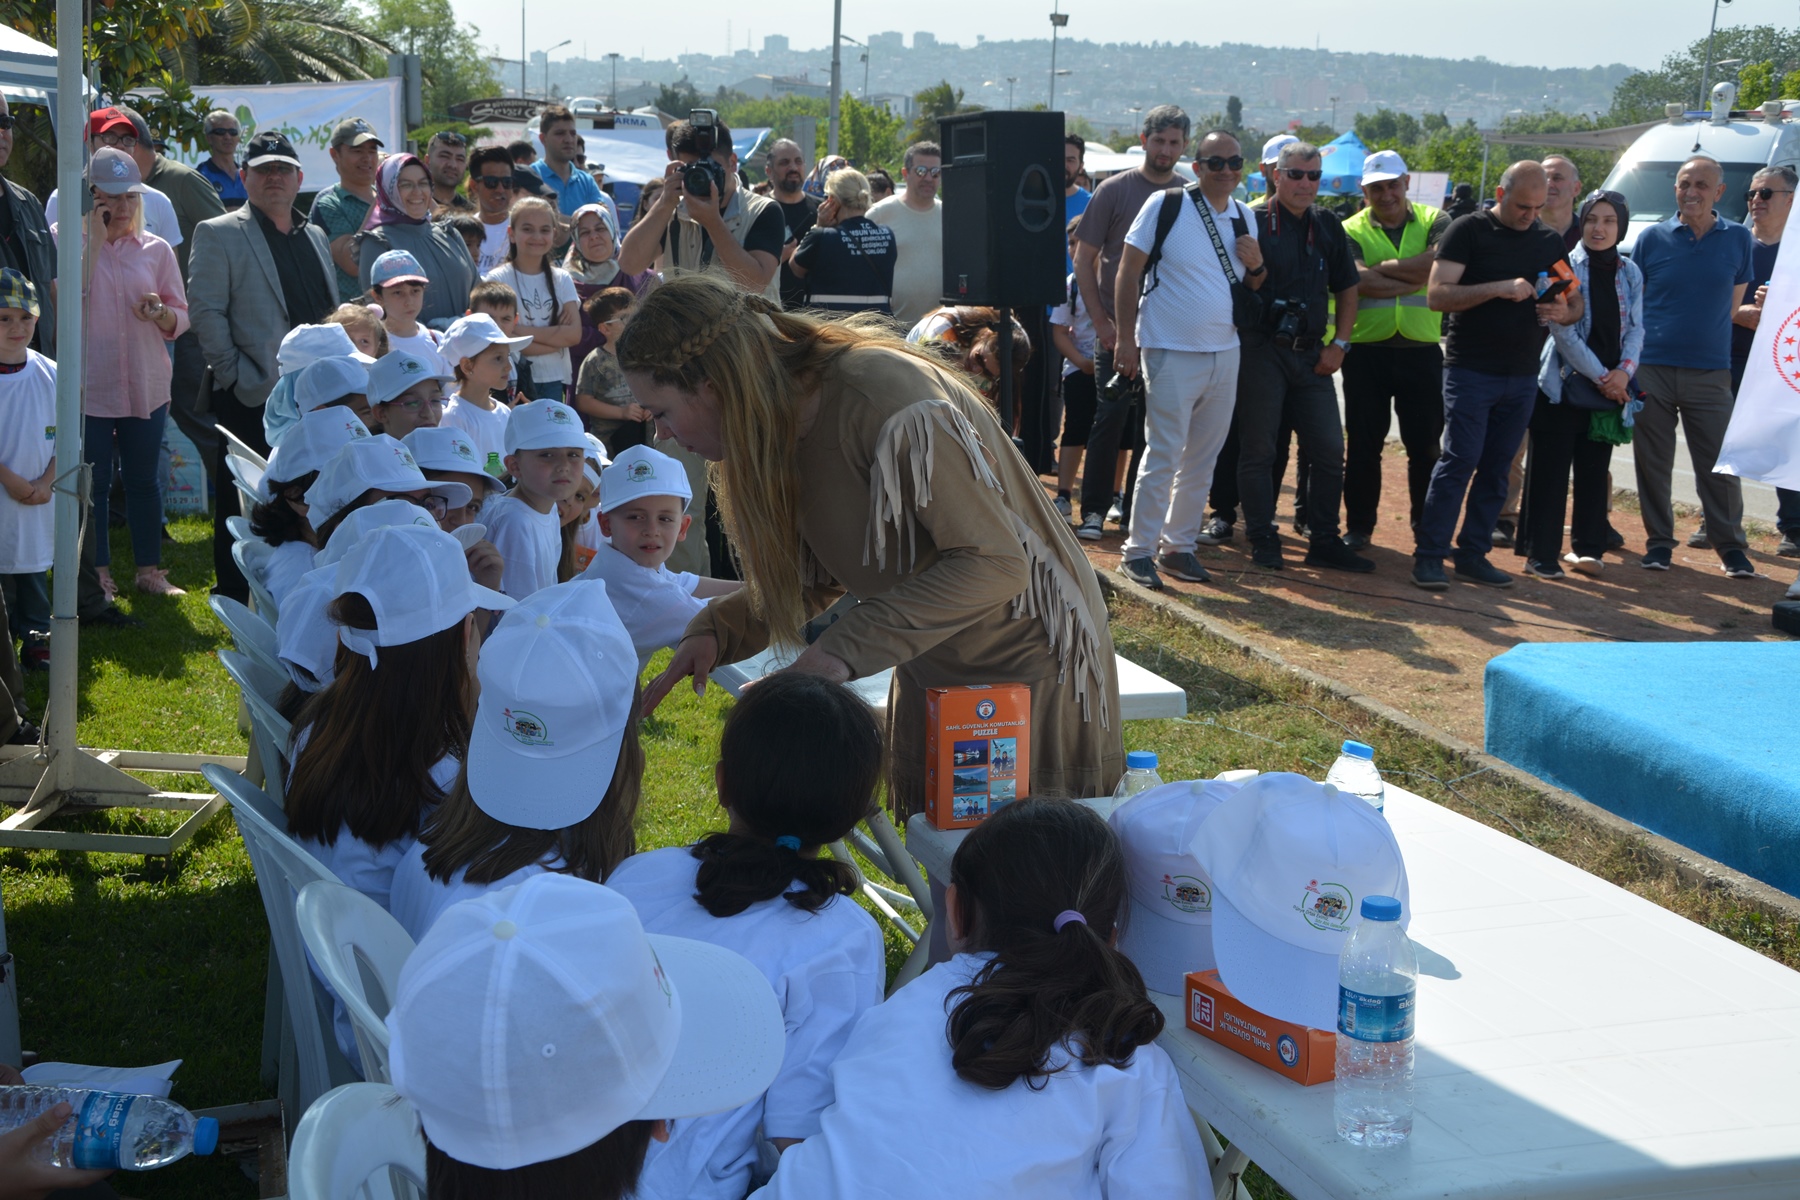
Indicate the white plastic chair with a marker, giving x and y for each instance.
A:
(359, 949)
(270, 732)
(282, 868)
(248, 477)
(252, 558)
(239, 528)
(253, 636)
(361, 1140)
(237, 447)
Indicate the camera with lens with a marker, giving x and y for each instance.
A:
(1285, 320)
(703, 176)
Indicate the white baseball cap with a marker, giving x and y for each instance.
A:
(1382, 166)
(360, 524)
(312, 443)
(1170, 930)
(329, 380)
(597, 450)
(470, 335)
(557, 676)
(416, 580)
(373, 462)
(589, 475)
(543, 425)
(531, 1021)
(398, 370)
(639, 472)
(305, 345)
(1291, 861)
(445, 448)
(1272, 148)
(305, 639)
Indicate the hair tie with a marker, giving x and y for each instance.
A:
(788, 841)
(1064, 917)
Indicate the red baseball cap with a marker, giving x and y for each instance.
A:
(106, 120)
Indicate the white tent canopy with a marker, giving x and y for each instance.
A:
(27, 70)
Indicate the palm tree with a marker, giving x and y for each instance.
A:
(278, 41)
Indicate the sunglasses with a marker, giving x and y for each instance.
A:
(1219, 163)
(1295, 173)
(229, 133)
(450, 139)
(493, 182)
(927, 172)
(7, 121)
(1767, 193)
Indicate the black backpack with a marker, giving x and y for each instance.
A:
(1165, 221)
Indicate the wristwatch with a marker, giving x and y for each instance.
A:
(1341, 344)
(1260, 270)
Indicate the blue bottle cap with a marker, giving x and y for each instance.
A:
(1360, 750)
(1140, 760)
(1380, 908)
(206, 1135)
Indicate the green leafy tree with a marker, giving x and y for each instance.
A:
(1756, 81)
(1428, 144)
(1641, 96)
(1594, 165)
(867, 135)
(1234, 114)
(932, 105)
(279, 41)
(677, 98)
(451, 60)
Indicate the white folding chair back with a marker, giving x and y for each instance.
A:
(247, 476)
(252, 558)
(359, 949)
(237, 447)
(282, 868)
(253, 636)
(358, 1141)
(239, 528)
(261, 688)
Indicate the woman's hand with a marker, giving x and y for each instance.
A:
(695, 656)
(1612, 385)
(816, 661)
(22, 1177)
(150, 307)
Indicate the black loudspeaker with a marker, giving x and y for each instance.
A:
(1003, 208)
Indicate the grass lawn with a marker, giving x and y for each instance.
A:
(123, 961)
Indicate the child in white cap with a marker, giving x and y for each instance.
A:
(545, 1041)
(644, 496)
(480, 355)
(798, 764)
(281, 519)
(335, 383)
(544, 448)
(369, 469)
(301, 347)
(406, 391)
(1032, 1052)
(580, 518)
(553, 772)
(27, 460)
(446, 455)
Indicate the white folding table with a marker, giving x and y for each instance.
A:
(1574, 1040)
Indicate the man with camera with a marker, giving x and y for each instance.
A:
(702, 216)
(1287, 363)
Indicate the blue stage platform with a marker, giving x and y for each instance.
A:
(1694, 741)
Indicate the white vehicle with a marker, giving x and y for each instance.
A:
(1743, 142)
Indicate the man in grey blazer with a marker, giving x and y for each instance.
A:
(253, 275)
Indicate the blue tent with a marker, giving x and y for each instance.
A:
(1342, 162)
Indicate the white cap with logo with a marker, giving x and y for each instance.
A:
(446, 448)
(1382, 166)
(1271, 151)
(544, 425)
(470, 335)
(1291, 861)
(642, 471)
(378, 462)
(398, 370)
(1170, 931)
(327, 381)
(417, 582)
(312, 443)
(532, 1021)
(304, 345)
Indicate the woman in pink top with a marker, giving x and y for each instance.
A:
(133, 304)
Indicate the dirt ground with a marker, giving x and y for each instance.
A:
(1423, 652)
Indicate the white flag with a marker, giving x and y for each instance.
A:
(1763, 440)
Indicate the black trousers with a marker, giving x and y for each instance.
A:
(1277, 388)
(1118, 425)
(1560, 446)
(1222, 498)
(246, 423)
(1378, 382)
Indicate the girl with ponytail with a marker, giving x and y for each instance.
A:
(1031, 1052)
(798, 764)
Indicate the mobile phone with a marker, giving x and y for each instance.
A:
(1557, 287)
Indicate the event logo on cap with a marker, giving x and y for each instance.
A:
(404, 455)
(984, 709)
(640, 471)
(662, 979)
(464, 451)
(558, 414)
(1187, 893)
(1326, 906)
(527, 729)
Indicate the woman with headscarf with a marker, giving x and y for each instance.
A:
(401, 220)
(593, 263)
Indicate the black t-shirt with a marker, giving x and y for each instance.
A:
(1762, 266)
(305, 291)
(1500, 337)
(800, 219)
(855, 259)
(1308, 259)
(768, 233)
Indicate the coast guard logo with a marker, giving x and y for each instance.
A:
(1289, 1051)
(528, 729)
(1326, 906)
(1187, 893)
(639, 472)
(1203, 1010)
(984, 709)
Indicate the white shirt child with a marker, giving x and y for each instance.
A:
(827, 969)
(418, 900)
(286, 565)
(529, 541)
(1087, 1133)
(424, 344)
(486, 429)
(27, 444)
(654, 603)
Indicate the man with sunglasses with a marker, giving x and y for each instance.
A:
(25, 242)
(491, 175)
(916, 216)
(1284, 376)
(1769, 200)
(219, 167)
(341, 209)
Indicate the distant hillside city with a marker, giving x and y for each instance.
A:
(1107, 83)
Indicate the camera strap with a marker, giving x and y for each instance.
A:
(1212, 231)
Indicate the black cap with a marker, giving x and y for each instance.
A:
(528, 182)
(269, 147)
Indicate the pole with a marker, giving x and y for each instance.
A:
(865, 76)
(1055, 28)
(1010, 80)
(613, 103)
(837, 73)
(1486, 149)
(524, 54)
(71, 485)
(1706, 70)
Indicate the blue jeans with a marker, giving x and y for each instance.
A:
(140, 444)
(27, 605)
(1485, 419)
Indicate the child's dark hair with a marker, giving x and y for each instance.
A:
(466, 226)
(606, 1170)
(606, 304)
(489, 294)
(798, 764)
(275, 521)
(1014, 874)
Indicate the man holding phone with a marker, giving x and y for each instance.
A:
(1491, 275)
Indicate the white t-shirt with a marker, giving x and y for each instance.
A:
(529, 541)
(425, 344)
(284, 568)
(537, 309)
(1087, 1133)
(418, 900)
(827, 969)
(1190, 308)
(1073, 316)
(159, 215)
(486, 429)
(654, 603)
(494, 241)
(27, 444)
(919, 255)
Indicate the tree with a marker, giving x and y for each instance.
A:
(1755, 82)
(1594, 165)
(678, 98)
(1234, 114)
(279, 41)
(450, 58)
(868, 135)
(1641, 96)
(932, 105)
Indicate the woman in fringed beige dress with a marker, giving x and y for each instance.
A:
(847, 462)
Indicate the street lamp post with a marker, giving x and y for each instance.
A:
(1010, 80)
(1706, 71)
(613, 103)
(547, 54)
(1334, 127)
(1058, 20)
(837, 75)
(865, 60)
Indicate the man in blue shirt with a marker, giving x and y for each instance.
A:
(570, 184)
(1696, 266)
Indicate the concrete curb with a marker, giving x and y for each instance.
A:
(1687, 865)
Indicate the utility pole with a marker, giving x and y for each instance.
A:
(524, 54)
(1706, 71)
(1012, 79)
(1058, 20)
(837, 74)
(614, 102)
(558, 46)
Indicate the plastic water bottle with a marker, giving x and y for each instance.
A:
(1140, 776)
(1354, 772)
(1378, 976)
(109, 1130)
(1543, 282)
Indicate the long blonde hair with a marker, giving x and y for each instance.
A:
(763, 363)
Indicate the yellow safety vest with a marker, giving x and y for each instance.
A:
(1379, 320)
